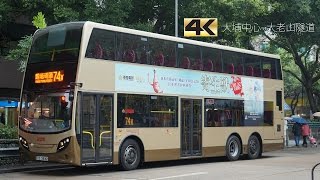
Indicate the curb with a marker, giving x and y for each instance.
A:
(32, 167)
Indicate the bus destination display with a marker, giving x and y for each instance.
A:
(49, 77)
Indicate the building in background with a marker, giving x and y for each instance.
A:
(10, 77)
(10, 85)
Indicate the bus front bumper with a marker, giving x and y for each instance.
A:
(69, 155)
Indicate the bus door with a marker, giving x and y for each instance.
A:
(96, 121)
(191, 127)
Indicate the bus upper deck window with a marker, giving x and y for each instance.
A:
(185, 63)
(159, 59)
(129, 56)
(209, 65)
(218, 66)
(250, 71)
(230, 69)
(197, 65)
(266, 73)
(257, 72)
(56, 36)
(240, 69)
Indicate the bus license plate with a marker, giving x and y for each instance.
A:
(42, 158)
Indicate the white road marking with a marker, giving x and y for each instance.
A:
(182, 175)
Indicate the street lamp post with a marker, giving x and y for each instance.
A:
(176, 18)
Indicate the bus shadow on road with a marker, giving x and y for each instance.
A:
(71, 171)
(74, 171)
(195, 161)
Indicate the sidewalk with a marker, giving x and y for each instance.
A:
(292, 144)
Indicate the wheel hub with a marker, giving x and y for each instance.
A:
(233, 149)
(130, 155)
(253, 146)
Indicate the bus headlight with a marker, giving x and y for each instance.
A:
(63, 144)
(23, 142)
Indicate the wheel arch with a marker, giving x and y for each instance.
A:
(259, 138)
(138, 140)
(240, 139)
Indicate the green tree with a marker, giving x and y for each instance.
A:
(158, 16)
(302, 42)
(112, 12)
(292, 86)
(20, 53)
(39, 21)
(5, 8)
(301, 45)
(159, 12)
(229, 14)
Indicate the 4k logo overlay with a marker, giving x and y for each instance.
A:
(200, 27)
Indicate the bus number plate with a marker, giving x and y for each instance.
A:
(42, 158)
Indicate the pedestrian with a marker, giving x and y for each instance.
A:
(296, 130)
(305, 132)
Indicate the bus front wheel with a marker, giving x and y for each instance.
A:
(233, 148)
(254, 147)
(130, 155)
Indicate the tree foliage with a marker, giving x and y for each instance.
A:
(39, 21)
(302, 45)
(5, 8)
(292, 86)
(21, 52)
(301, 48)
(105, 11)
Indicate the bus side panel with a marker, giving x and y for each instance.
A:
(215, 139)
(275, 132)
(97, 75)
(159, 143)
(273, 135)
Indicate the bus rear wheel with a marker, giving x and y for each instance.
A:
(233, 148)
(254, 147)
(130, 155)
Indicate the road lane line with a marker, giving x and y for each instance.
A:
(182, 175)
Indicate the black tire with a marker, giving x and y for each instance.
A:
(254, 147)
(233, 148)
(130, 155)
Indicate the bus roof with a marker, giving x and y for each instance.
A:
(178, 39)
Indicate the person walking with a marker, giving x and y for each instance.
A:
(305, 132)
(296, 130)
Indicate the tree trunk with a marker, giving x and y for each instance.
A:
(312, 102)
(294, 102)
(307, 81)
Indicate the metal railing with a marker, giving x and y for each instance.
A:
(9, 148)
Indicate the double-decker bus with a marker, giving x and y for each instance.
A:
(99, 94)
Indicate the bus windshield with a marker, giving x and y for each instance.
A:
(56, 43)
(46, 113)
